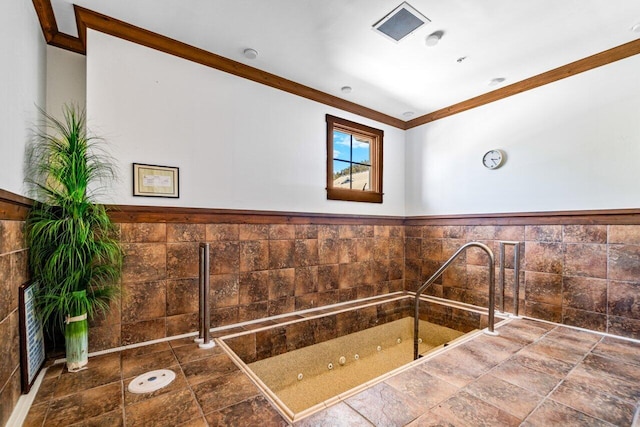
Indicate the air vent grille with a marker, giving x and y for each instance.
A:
(400, 22)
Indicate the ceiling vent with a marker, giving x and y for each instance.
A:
(400, 22)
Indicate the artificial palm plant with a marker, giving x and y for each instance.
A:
(74, 257)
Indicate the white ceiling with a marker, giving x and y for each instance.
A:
(328, 44)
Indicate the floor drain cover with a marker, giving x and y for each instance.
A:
(151, 381)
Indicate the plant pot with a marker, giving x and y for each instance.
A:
(76, 337)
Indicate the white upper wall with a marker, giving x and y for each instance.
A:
(238, 144)
(571, 145)
(66, 80)
(22, 73)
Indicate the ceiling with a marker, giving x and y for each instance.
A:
(329, 44)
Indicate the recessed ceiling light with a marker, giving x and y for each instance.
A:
(496, 81)
(408, 114)
(250, 53)
(434, 38)
(636, 28)
(346, 89)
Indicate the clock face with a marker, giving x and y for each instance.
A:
(493, 159)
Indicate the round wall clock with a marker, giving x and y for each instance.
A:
(493, 159)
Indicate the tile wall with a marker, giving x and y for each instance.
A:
(257, 270)
(13, 273)
(581, 275)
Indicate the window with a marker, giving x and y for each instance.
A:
(354, 161)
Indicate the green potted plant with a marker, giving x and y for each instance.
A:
(74, 256)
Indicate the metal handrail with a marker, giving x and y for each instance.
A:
(438, 273)
(204, 337)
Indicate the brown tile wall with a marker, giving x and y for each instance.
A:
(580, 275)
(257, 270)
(451, 317)
(13, 273)
(254, 346)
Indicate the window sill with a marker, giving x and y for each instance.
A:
(354, 195)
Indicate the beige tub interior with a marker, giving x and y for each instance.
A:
(308, 376)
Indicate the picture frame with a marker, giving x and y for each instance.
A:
(156, 181)
(32, 348)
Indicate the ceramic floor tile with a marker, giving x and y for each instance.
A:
(136, 364)
(422, 388)
(196, 422)
(543, 363)
(468, 410)
(45, 392)
(35, 417)
(181, 342)
(253, 412)
(224, 391)
(169, 409)
(575, 338)
(520, 337)
(618, 349)
(430, 419)
(111, 419)
(145, 349)
(191, 352)
(84, 404)
(558, 350)
(598, 405)
(54, 371)
(508, 397)
(523, 330)
(612, 368)
(384, 405)
(492, 348)
(587, 379)
(551, 413)
(100, 370)
(458, 366)
(208, 368)
(535, 381)
(602, 385)
(339, 415)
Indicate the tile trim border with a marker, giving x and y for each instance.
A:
(16, 207)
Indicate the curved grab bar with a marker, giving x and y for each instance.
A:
(438, 273)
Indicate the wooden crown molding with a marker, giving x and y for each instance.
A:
(580, 66)
(86, 18)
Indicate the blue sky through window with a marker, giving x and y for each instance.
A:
(345, 146)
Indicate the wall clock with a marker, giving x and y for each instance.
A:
(493, 159)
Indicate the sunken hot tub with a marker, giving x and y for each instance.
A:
(318, 357)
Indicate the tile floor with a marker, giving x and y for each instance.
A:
(532, 374)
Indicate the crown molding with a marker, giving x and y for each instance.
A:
(86, 18)
(580, 66)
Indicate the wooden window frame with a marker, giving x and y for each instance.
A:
(374, 195)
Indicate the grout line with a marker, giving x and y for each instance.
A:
(548, 396)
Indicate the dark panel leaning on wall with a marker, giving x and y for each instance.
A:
(13, 273)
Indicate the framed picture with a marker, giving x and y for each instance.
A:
(155, 181)
(32, 352)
